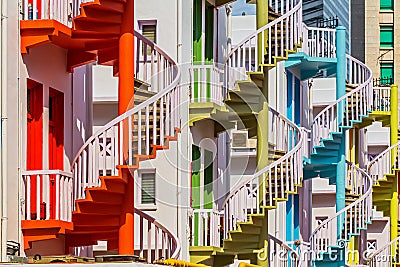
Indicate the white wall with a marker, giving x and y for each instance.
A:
(379, 230)
(378, 135)
(323, 91)
(323, 205)
(105, 85)
(166, 16)
(242, 26)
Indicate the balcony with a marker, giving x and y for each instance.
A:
(60, 10)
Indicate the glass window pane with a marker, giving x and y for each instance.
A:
(387, 70)
(148, 188)
(387, 36)
(386, 4)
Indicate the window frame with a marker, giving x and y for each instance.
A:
(146, 206)
(386, 65)
(386, 29)
(149, 22)
(385, 6)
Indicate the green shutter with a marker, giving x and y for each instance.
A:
(208, 179)
(387, 4)
(387, 36)
(196, 165)
(148, 188)
(387, 70)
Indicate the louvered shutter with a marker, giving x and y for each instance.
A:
(149, 31)
(148, 188)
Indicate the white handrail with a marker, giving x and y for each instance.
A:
(280, 253)
(48, 195)
(136, 132)
(382, 164)
(208, 229)
(326, 121)
(61, 10)
(158, 237)
(319, 42)
(384, 257)
(206, 84)
(278, 37)
(89, 164)
(355, 216)
(381, 99)
(261, 190)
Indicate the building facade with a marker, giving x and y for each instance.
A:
(148, 128)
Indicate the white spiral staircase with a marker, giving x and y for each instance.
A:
(245, 209)
(329, 241)
(383, 169)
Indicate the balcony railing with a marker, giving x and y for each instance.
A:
(48, 195)
(206, 228)
(206, 84)
(61, 10)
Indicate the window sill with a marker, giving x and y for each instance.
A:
(147, 207)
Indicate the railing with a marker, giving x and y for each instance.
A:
(382, 164)
(319, 42)
(281, 254)
(384, 257)
(381, 99)
(156, 241)
(383, 81)
(267, 185)
(206, 227)
(276, 39)
(60, 10)
(47, 195)
(157, 118)
(355, 216)
(206, 84)
(360, 100)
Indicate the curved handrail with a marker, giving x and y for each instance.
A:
(326, 121)
(289, 25)
(386, 251)
(325, 235)
(283, 244)
(382, 156)
(130, 112)
(250, 189)
(265, 27)
(279, 253)
(150, 122)
(88, 162)
(172, 240)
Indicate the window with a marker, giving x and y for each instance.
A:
(387, 70)
(387, 36)
(387, 4)
(148, 188)
(149, 30)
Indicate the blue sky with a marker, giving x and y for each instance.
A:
(240, 6)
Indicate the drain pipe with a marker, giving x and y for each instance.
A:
(228, 29)
(3, 128)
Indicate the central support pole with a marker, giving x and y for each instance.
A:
(125, 97)
(341, 172)
(126, 59)
(262, 20)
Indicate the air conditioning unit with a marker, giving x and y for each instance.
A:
(240, 139)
